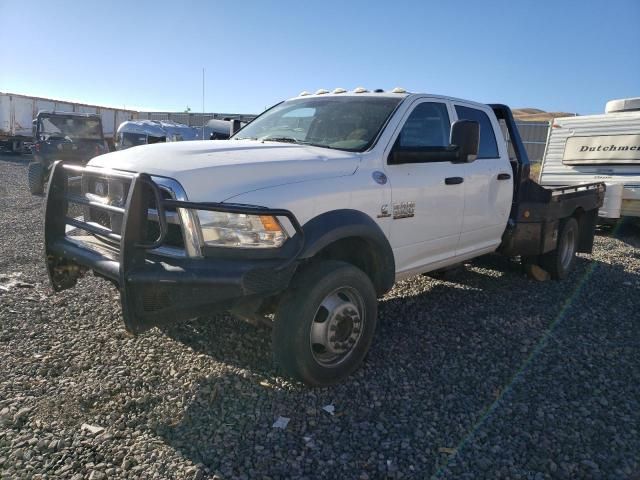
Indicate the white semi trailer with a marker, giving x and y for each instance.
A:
(17, 113)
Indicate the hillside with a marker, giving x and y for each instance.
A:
(537, 115)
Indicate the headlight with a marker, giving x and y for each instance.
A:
(221, 229)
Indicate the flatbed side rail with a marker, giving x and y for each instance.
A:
(598, 186)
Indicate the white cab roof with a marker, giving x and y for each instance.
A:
(389, 94)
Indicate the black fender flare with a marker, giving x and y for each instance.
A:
(332, 226)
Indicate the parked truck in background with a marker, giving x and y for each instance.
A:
(17, 113)
(604, 148)
(307, 215)
(63, 136)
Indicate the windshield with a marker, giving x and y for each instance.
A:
(70, 127)
(344, 123)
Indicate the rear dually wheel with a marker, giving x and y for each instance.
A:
(560, 261)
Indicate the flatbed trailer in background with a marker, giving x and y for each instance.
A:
(17, 113)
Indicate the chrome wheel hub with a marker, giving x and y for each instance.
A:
(337, 326)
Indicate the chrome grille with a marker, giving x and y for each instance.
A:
(109, 191)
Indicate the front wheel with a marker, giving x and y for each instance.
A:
(324, 325)
(560, 261)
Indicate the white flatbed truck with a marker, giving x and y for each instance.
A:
(307, 215)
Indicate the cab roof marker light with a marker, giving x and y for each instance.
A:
(378, 90)
(304, 93)
(360, 90)
(398, 90)
(321, 91)
(339, 90)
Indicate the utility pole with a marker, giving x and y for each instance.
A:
(202, 103)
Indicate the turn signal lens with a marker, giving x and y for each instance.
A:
(270, 224)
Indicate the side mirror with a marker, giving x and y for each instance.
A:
(34, 128)
(464, 143)
(465, 138)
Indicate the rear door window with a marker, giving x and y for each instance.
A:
(488, 146)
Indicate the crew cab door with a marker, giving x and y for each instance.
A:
(427, 197)
(488, 185)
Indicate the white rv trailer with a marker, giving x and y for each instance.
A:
(599, 148)
(141, 132)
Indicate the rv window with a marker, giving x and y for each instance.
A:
(132, 139)
(151, 139)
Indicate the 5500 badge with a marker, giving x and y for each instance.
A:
(400, 210)
(404, 209)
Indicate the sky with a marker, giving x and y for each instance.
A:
(555, 55)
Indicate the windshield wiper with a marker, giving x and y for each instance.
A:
(289, 140)
(280, 139)
(297, 142)
(321, 145)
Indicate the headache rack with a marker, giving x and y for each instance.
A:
(129, 248)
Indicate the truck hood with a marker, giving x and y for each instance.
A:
(215, 170)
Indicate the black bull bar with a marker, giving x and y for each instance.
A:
(153, 288)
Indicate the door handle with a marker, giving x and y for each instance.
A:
(453, 180)
(504, 176)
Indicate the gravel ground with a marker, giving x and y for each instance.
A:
(484, 375)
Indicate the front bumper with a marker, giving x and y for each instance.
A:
(154, 289)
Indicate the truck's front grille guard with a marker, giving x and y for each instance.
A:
(161, 205)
